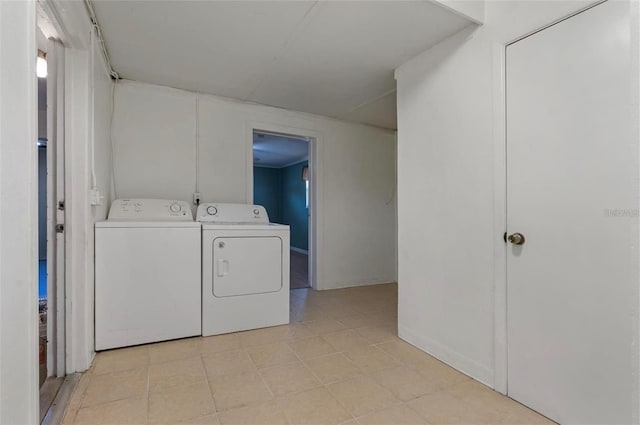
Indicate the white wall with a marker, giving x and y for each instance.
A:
(18, 215)
(471, 9)
(450, 219)
(155, 130)
(87, 127)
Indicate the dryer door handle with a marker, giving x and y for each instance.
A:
(223, 268)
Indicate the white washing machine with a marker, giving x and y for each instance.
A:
(147, 281)
(245, 269)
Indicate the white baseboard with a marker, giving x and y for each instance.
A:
(301, 251)
(445, 354)
(355, 285)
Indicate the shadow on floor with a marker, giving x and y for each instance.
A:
(299, 270)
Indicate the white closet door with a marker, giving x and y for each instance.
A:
(569, 162)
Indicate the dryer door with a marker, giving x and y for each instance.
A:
(246, 265)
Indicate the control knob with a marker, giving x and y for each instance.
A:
(175, 207)
(211, 210)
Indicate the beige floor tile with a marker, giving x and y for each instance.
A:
(476, 394)
(307, 348)
(333, 368)
(75, 401)
(305, 314)
(371, 359)
(268, 413)
(400, 414)
(506, 411)
(177, 372)
(362, 395)
(174, 350)
(122, 412)
(345, 340)
(338, 310)
(316, 406)
(121, 359)
(239, 390)
(274, 354)
(444, 408)
(323, 326)
(203, 420)
(405, 383)
(355, 321)
(218, 343)
(227, 363)
(518, 414)
(407, 353)
(378, 334)
(116, 386)
(263, 336)
(442, 375)
(298, 330)
(180, 403)
(290, 378)
(331, 332)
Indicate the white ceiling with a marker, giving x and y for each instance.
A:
(333, 58)
(278, 151)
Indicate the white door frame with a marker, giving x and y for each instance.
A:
(69, 23)
(500, 200)
(19, 386)
(56, 344)
(315, 187)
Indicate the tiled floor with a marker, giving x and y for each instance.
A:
(339, 361)
(299, 270)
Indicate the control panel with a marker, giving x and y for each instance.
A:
(150, 209)
(231, 213)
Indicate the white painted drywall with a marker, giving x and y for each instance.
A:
(448, 120)
(99, 123)
(18, 215)
(87, 127)
(154, 133)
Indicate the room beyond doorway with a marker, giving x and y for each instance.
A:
(281, 182)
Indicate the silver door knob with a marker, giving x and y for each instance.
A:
(516, 238)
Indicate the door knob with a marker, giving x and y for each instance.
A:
(516, 238)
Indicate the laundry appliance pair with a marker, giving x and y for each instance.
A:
(160, 275)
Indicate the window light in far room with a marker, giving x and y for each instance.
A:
(41, 65)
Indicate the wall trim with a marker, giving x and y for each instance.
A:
(316, 195)
(299, 250)
(452, 358)
(19, 317)
(500, 366)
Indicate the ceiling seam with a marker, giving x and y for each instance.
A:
(302, 23)
(368, 102)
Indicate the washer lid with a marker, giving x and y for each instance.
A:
(148, 224)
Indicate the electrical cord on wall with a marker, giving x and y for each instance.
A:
(94, 180)
(113, 148)
(197, 198)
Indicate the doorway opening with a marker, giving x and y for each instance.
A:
(282, 184)
(50, 192)
(42, 216)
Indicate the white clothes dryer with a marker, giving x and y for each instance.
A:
(245, 269)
